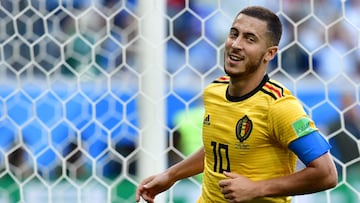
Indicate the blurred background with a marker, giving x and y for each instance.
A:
(97, 94)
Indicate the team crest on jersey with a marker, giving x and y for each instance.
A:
(243, 128)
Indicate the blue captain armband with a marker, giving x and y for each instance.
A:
(309, 147)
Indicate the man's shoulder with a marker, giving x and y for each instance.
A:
(275, 89)
(222, 80)
(218, 82)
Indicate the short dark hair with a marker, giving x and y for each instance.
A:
(274, 25)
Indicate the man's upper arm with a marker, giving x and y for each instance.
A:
(310, 147)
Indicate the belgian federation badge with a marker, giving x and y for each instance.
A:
(243, 128)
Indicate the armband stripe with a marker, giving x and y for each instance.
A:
(310, 147)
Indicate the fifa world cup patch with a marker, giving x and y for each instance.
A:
(303, 126)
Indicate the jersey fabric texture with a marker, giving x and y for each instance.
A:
(250, 135)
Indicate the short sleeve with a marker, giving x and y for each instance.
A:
(288, 120)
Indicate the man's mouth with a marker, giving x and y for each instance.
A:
(235, 57)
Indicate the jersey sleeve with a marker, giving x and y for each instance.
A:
(293, 128)
(288, 121)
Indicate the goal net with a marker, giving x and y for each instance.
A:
(97, 94)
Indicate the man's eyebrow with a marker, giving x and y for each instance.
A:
(245, 33)
(250, 34)
(233, 29)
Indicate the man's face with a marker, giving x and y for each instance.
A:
(245, 47)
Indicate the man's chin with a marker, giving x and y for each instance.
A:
(232, 73)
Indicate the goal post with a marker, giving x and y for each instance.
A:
(152, 113)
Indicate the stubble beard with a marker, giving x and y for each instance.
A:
(250, 68)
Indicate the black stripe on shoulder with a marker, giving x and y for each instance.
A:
(278, 86)
(222, 80)
(269, 93)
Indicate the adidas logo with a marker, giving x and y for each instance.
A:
(207, 120)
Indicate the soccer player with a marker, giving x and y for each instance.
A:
(254, 129)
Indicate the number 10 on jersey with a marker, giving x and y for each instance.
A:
(221, 157)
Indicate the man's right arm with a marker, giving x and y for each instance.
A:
(190, 166)
(156, 184)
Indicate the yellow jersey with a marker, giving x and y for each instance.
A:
(248, 135)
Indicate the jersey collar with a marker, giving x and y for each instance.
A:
(237, 99)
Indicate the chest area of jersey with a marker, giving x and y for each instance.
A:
(242, 125)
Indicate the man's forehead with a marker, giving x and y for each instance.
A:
(249, 19)
(249, 23)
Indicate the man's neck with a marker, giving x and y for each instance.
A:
(241, 86)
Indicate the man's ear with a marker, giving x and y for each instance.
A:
(271, 52)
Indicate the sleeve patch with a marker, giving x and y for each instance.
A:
(303, 126)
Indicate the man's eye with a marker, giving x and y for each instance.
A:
(251, 39)
(233, 34)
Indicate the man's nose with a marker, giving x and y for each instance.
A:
(237, 43)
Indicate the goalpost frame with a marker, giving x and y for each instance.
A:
(152, 85)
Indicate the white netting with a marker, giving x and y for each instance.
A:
(71, 87)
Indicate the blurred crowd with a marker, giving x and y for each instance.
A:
(323, 37)
(320, 36)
